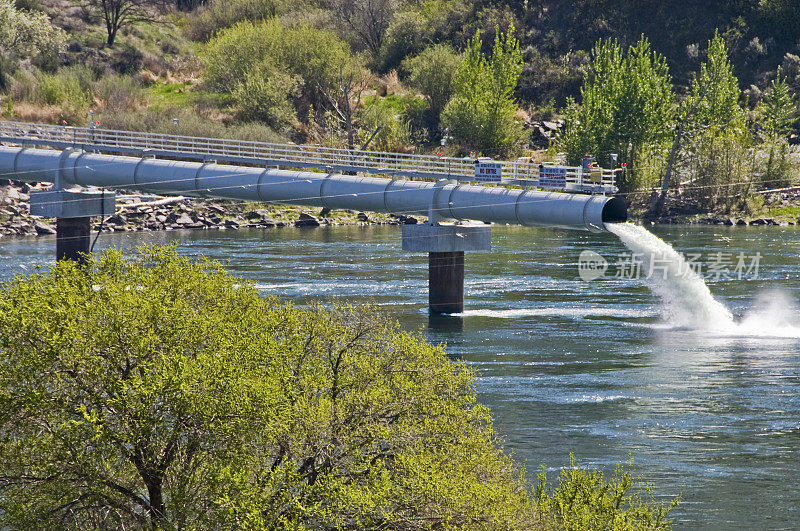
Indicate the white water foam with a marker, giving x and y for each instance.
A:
(774, 314)
(686, 301)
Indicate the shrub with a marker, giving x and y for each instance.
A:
(432, 73)
(127, 60)
(190, 123)
(314, 57)
(48, 59)
(723, 165)
(29, 5)
(23, 87)
(7, 67)
(121, 93)
(24, 34)
(217, 15)
(583, 499)
(395, 131)
(70, 88)
(264, 96)
(407, 35)
(175, 396)
(777, 113)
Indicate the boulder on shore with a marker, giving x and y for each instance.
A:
(306, 220)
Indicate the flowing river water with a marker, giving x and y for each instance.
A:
(698, 382)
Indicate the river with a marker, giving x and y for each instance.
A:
(595, 367)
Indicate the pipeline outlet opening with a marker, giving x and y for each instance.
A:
(615, 211)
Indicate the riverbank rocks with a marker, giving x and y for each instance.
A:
(542, 132)
(406, 220)
(306, 220)
(43, 228)
(763, 221)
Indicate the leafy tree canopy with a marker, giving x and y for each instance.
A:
(716, 88)
(152, 390)
(627, 104)
(480, 114)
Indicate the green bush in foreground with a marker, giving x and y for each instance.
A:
(155, 391)
(583, 499)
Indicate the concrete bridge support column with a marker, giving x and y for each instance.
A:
(73, 238)
(446, 282)
(73, 210)
(445, 245)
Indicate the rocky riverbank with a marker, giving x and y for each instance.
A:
(137, 212)
(778, 208)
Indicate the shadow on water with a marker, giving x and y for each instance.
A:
(445, 324)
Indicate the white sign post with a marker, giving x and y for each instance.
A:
(488, 171)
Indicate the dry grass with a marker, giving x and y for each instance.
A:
(36, 112)
(536, 157)
(390, 84)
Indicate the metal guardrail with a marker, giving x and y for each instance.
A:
(293, 155)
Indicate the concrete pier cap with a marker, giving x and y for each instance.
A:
(447, 237)
(72, 203)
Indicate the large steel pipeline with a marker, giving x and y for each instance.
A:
(447, 200)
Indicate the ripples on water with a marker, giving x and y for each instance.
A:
(598, 368)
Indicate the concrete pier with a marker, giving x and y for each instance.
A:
(446, 282)
(445, 244)
(73, 238)
(73, 210)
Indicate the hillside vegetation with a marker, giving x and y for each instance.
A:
(699, 101)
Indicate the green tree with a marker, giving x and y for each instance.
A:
(711, 108)
(778, 109)
(481, 113)
(155, 391)
(717, 151)
(23, 35)
(777, 113)
(432, 72)
(626, 107)
(717, 89)
(314, 58)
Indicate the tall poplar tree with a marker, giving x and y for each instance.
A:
(626, 105)
(480, 115)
